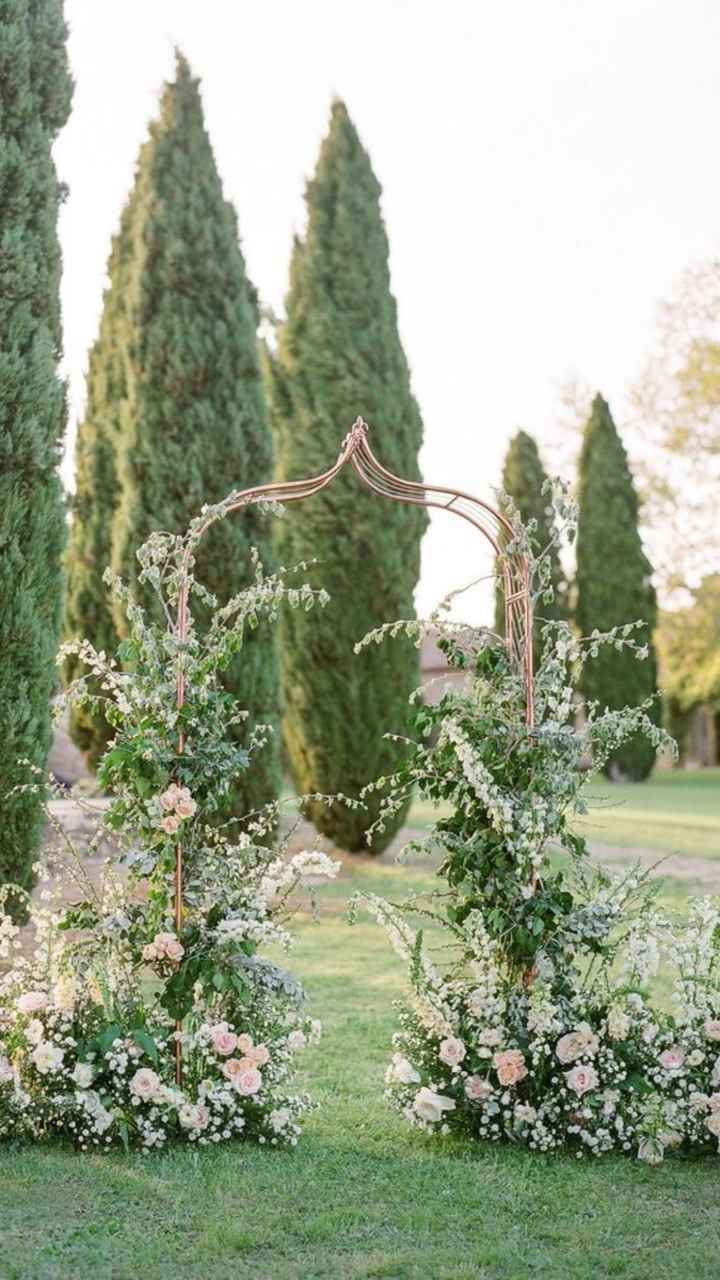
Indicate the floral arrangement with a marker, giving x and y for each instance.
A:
(116, 1028)
(538, 1024)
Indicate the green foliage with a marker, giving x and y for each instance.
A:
(177, 409)
(523, 479)
(35, 93)
(614, 583)
(339, 355)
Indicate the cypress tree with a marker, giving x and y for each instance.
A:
(88, 610)
(192, 421)
(339, 354)
(35, 94)
(523, 478)
(614, 581)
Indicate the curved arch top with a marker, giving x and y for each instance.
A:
(495, 528)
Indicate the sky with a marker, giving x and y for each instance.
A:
(548, 171)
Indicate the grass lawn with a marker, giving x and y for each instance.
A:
(362, 1196)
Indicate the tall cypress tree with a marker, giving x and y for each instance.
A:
(339, 354)
(88, 610)
(35, 94)
(182, 416)
(614, 581)
(523, 479)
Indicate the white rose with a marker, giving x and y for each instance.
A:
(144, 1083)
(695, 1058)
(712, 1028)
(34, 1031)
(401, 1071)
(429, 1106)
(649, 1033)
(296, 1040)
(47, 1057)
(83, 1075)
(451, 1051)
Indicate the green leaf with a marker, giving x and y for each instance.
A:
(144, 1041)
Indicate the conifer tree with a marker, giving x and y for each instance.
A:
(183, 408)
(614, 582)
(88, 610)
(35, 94)
(523, 479)
(339, 355)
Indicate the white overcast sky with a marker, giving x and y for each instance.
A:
(549, 167)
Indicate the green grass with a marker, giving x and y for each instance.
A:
(362, 1196)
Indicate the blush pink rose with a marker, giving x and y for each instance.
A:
(170, 823)
(244, 1043)
(224, 1041)
(673, 1058)
(169, 798)
(260, 1054)
(712, 1028)
(582, 1079)
(510, 1066)
(248, 1081)
(185, 805)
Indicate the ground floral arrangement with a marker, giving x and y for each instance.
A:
(537, 1024)
(90, 1021)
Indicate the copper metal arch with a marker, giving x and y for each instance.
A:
(494, 527)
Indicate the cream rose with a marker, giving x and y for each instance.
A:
(430, 1106)
(510, 1066)
(144, 1084)
(582, 1079)
(244, 1043)
(401, 1071)
(451, 1051)
(64, 993)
